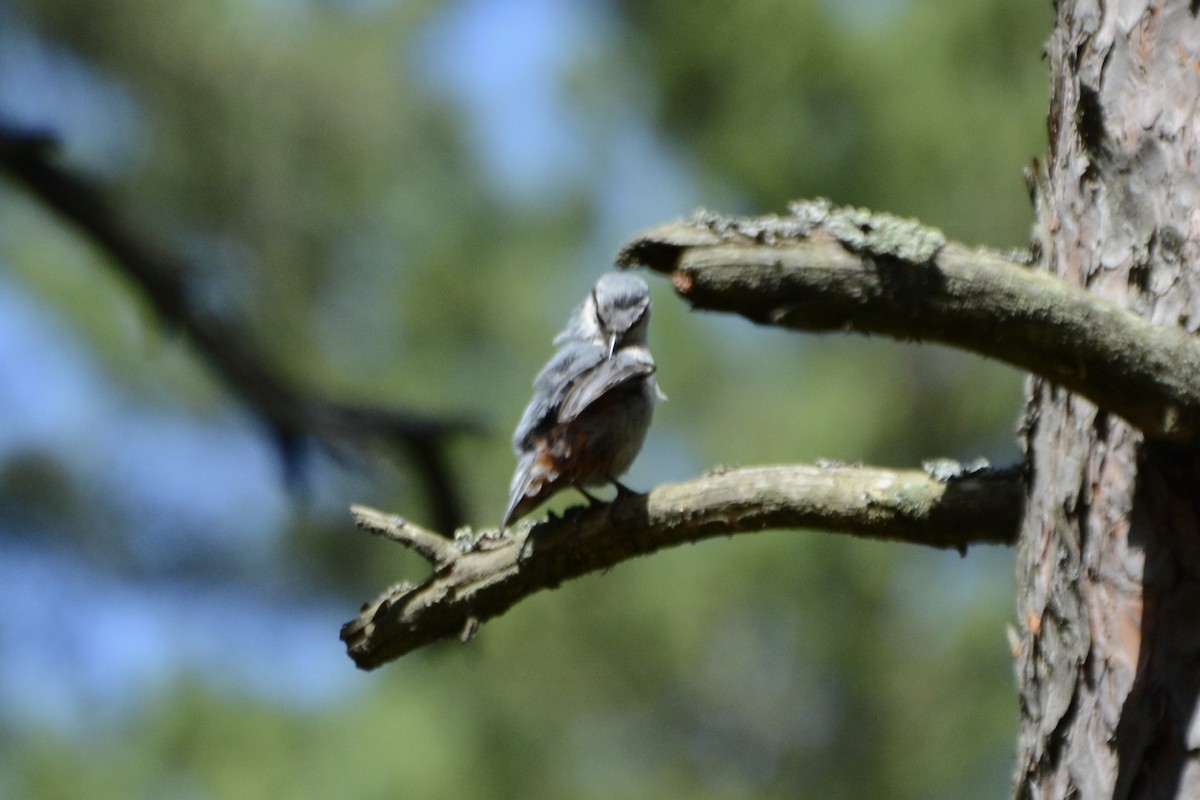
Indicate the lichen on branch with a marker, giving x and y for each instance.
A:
(477, 576)
(829, 269)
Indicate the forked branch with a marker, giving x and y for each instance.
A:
(477, 577)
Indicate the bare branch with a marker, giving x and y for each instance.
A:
(433, 547)
(827, 269)
(162, 277)
(945, 505)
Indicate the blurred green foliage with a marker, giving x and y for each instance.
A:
(339, 205)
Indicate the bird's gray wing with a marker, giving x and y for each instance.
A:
(593, 383)
(550, 388)
(566, 365)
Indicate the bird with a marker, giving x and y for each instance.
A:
(592, 402)
(615, 313)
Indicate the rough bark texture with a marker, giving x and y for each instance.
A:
(848, 269)
(1109, 557)
(477, 576)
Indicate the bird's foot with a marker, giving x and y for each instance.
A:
(625, 491)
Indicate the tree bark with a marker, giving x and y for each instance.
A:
(1108, 561)
(480, 575)
(823, 269)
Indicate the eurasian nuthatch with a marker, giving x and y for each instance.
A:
(592, 402)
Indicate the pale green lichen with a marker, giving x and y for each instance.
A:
(911, 500)
(769, 229)
(946, 469)
(858, 229)
(467, 538)
(873, 232)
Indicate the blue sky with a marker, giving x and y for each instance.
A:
(83, 641)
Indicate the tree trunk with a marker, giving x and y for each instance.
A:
(1108, 563)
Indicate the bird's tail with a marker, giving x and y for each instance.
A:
(527, 489)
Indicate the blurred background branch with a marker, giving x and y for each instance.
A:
(290, 413)
(947, 505)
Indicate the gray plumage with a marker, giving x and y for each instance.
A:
(616, 313)
(592, 403)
